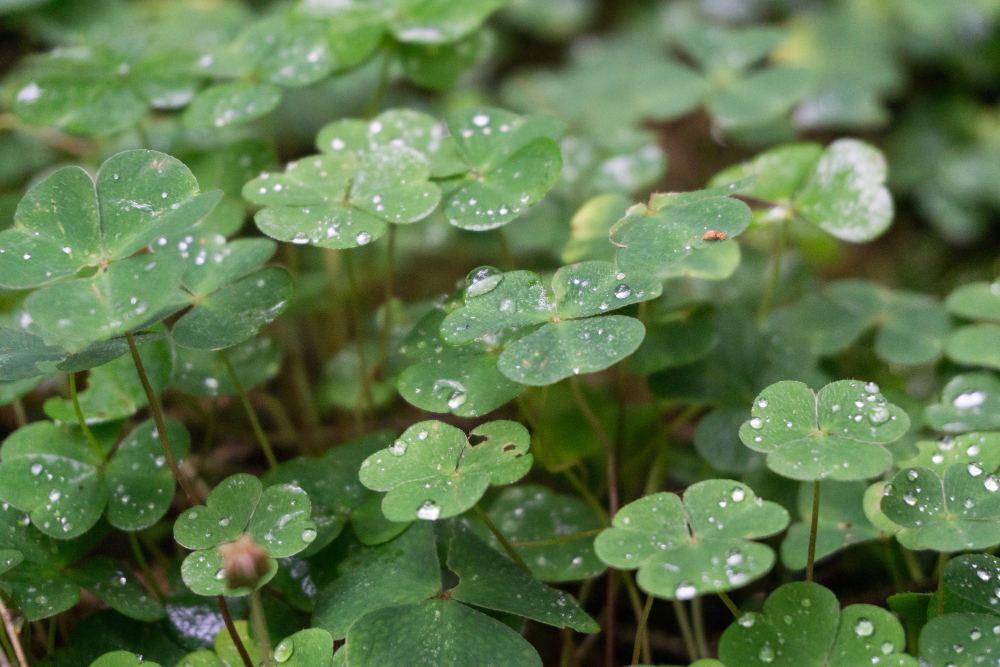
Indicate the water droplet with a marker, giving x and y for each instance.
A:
(398, 448)
(864, 627)
(888, 647)
(975, 634)
(482, 281)
(991, 484)
(283, 651)
(974, 469)
(430, 510)
(308, 535)
(969, 399)
(756, 422)
(879, 414)
(766, 654)
(362, 238)
(36, 469)
(762, 403)
(738, 494)
(909, 499)
(685, 591)
(871, 388)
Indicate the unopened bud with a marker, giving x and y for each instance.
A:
(244, 562)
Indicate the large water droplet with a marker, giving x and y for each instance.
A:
(766, 654)
(969, 399)
(398, 448)
(308, 535)
(623, 291)
(864, 627)
(685, 591)
(283, 651)
(879, 414)
(430, 510)
(482, 280)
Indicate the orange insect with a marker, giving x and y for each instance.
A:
(712, 235)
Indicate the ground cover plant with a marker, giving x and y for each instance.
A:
(499, 332)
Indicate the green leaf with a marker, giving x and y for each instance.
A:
(718, 47)
(950, 512)
(21, 352)
(403, 571)
(976, 345)
(227, 651)
(939, 455)
(202, 372)
(434, 472)
(592, 288)
(231, 104)
(40, 593)
(802, 626)
(514, 161)
(700, 546)
(435, 632)
(121, 659)
(235, 312)
(976, 301)
(121, 590)
(969, 402)
(495, 301)
(758, 97)
(779, 172)
(837, 433)
(306, 648)
(973, 579)
(105, 351)
(560, 350)
(656, 240)
(675, 340)
(842, 522)
(959, 640)
(563, 525)
(492, 581)
(716, 439)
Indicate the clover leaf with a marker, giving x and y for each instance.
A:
(974, 447)
(952, 511)
(976, 344)
(276, 519)
(434, 472)
(970, 583)
(837, 433)
(530, 516)
(231, 103)
(203, 373)
(840, 188)
(969, 402)
(52, 473)
(959, 640)
(702, 545)
(842, 523)
(121, 659)
(976, 301)
(312, 647)
(801, 624)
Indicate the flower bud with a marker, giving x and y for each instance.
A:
(244, 562)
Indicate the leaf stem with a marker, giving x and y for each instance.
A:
(508, 547)
(259, 621)
(813, 528)
(140, 558)
(233, 634)
(15, 641)
(365, 397)
(942, 561)
(609, 618)
(390, 275)
(154, 407)
(640, 632)
(728, 601)
(562, 539)
(684, 622)
(265, 444)
(83, 422)
(508, 258)
(7, 654)
(913, 566)
(699, 627)
(775, 277)
(20, 416)
(632, 591)
(381, 85)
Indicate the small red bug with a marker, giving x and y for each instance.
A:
(712, 235)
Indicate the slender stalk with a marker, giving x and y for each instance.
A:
(640, 631)
(381, 85)
(567, 657)
(50, 639)
(390, 277)
(684, 622)
(15, 641)
(259, 621)
(890, 562)
(942, 561)
(20, 416)
(235, 636)
(728, 601)
(140, 558)
(82, 421)
(635, 600)
(508, 258)
(304, 398)
(588, 414)
(265, 444)
(359, 336)
(775, 278)
(7, 654)
(562, 539)
(508, 547)
(913, 566)
(609, 620)
(813, 528)
(154, 407)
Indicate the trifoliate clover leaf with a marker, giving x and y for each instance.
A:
(842, 523)
(203, 373)
(802, 625)
(122, 659)
(70, 221)
(433, 471)
(976, 301)
(344, 200)
(840, 188)
(960, 640)
(939, 455)
(276, 520)
(512, 162)
(657, 238)
(837, 433)
(969, 402)
(951, 512)
(52, 473)
(530, 516)
(702, 545)
(970, 583)
(461, 379)
(231, 104)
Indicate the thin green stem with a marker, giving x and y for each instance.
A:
(632, 591)
(609, 617)
(154, 407)
(913, 566)
(259, 622)
(684, 622)
(508, 547)
(20, 415)
(567, 657)
(50, 639)
(813, 528)
(381, 85)
(562, 539)
(698, 619)
(640, 632)
(365, 397)
(942, 561)
(390, 276)
(728, 601)
(7, 655)
(775, 277)
(265, 444)
(82, 421)
(508, 258)
(233, 634)
(15, 641)
(140, 558)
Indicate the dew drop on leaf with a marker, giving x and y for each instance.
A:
(864, 628)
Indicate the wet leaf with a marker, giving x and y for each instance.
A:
(231, 104)
(969, 402)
